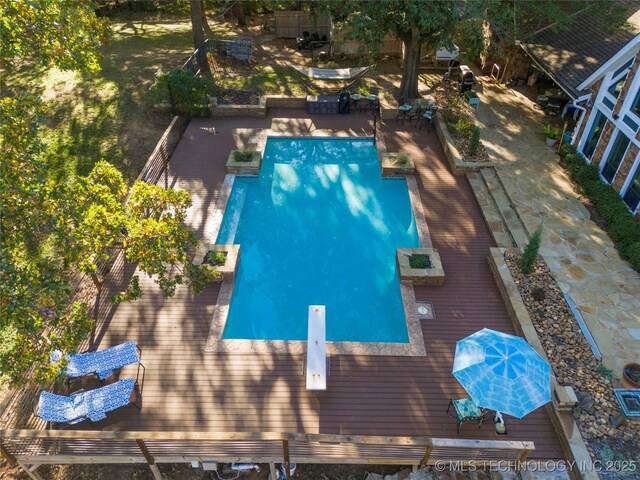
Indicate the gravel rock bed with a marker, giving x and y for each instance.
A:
(574, 364)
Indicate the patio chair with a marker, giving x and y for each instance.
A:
(404, 112)
(426, 118)
(373, 102)
(466, 410)
(80, 406)
(101, 363)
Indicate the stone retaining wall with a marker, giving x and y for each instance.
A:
(458, 166)
(571, 440)
(258, 111)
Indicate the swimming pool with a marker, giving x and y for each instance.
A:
(319, 226)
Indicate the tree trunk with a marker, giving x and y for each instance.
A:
(409, 84)
(198, 34)
(205, 23)
(196, 23)
(238, 11)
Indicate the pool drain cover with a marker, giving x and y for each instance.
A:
(426, 311)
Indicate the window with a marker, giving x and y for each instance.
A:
(594, 135)
(616, 88)
(615, 157)
(635, 107)
(632, 197)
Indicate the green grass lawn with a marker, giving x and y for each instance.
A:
(107, 114)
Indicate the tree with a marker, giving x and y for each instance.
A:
(59, 32)
(530, 253)
(492, 27)
(415, 22)
(37, 315)
(238, 12)
(150, 228)
(197, 14)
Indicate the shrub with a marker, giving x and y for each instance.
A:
(464, 126)
(475, 141)
(623, 228)
(182, 89)
(419, 260)
(530, 254)
(243, 155)
(552, 132)
(400, 159)
(567, 149)
(215, 257)
(631, 252)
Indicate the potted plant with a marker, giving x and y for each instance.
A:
(631, 374)
(552, 134)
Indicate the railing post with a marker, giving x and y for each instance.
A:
(425, 457)
(287, 464)
(149, 458)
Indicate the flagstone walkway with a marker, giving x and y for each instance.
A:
(582, 258)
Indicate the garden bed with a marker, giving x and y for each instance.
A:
(575, 365)
(460, 122)
(238, 97)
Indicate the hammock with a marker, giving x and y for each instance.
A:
(349, 75)
(331, 73)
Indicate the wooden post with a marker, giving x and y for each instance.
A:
(149, 458)
(10, 458)
(427, 454)
(32, 473)
(287, 464)
(272, 470)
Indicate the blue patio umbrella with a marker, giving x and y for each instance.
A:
(502, 372)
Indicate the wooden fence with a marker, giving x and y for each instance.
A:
(291, 24)
(347, 46)
(32, 448)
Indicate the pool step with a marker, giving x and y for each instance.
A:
(227, 235)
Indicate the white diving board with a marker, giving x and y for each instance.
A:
(316, 349)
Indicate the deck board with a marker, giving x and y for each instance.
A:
(186, 389)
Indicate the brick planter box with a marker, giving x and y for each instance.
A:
(391, 169)
(228, 270)
(433, 275)
(251, 168)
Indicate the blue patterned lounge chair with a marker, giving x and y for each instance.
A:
(92, 405)
(101, 363)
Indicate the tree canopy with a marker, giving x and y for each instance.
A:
(65, 33)
(51, 231)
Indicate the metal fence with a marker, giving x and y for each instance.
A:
(238, 48)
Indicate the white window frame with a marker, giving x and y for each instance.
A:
(612, 141)
(592, 118)
(628, 102)
(627, 183)
(610, 80)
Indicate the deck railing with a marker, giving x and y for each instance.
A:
(31, 448)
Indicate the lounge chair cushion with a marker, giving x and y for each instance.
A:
(101, 362)
(93, 404)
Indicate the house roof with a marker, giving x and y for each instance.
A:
(573, 55)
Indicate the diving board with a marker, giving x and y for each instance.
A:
(316, 349)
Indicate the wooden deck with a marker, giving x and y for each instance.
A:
(187, 390)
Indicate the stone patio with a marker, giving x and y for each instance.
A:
(581, 256)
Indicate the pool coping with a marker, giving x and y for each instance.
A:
(416, 345)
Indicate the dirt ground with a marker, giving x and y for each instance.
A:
(185, 472)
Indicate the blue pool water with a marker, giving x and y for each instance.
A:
(318, 227)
